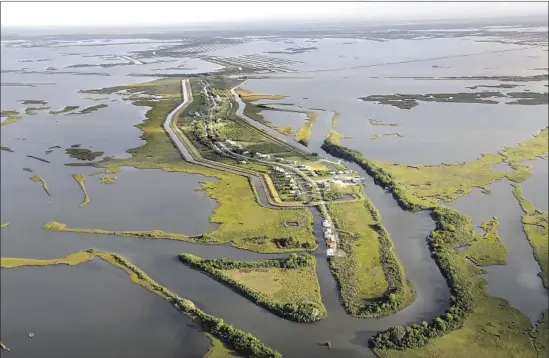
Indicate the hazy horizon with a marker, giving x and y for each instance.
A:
(153, 15)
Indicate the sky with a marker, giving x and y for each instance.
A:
(99, 14)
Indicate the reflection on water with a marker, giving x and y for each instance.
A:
(90, 310)
(517, 281)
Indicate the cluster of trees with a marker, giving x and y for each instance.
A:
(380, 176)
(296, 311)
(452, 230)
(240, 341)
(292, 243)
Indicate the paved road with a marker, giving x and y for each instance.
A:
(176, 136)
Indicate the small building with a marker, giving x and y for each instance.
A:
(242, 162)
(245, 152)
(326, 223)
(330, 252)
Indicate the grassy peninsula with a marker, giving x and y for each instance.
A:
(536, 224)
(287, 287)
(38, 178)
(474, 316)
(372, 281)
(488, 249)
(304, 133)
(10, 117)
(243, 223)
(80, 179)
(239, 341)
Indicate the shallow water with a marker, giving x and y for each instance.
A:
(535, 187)
(149, 199)
(517, 281)
(90, 310)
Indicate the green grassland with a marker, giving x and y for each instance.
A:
(536, 224)
(244, 223)
(488, 249)
(371, 279)
(287, 287)
(476, 324)
(66, 109)
(38, 178)
(425, 186)
(11, 116)
(80, 179)
(303, 134)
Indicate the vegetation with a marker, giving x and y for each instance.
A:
(418, 186)
(11, 116)
(287, 287)
(30, 111)
(28, 170)
(334, 136)
(218, 349)
(7, 149)
(371, 280)
(108, 179)
(83, 153)
(33, 101)
(4, 347)
(474, 316)
(304, 133)
(335, 119)
(38, 178)
(536, 224)
(488, 249)
(249, 96)
(91, 109)
(243, 223)
(540, 335)
(65, 110)
(38, 158)
(71, 259)
(380, 123)
(80, 179)
(377, 136)
(4, 224)
(241, 342)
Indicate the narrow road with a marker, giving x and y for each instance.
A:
(177, 137)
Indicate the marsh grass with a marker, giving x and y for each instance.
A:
(303, 134)
(488, 249)
(375, 122)
(287, 287)
(91, 109)
(234, 338)
(427, 185)
(7, 149)
(38, 178)
(66, 109)
(80, 179)
(334, 136)
(244, 223)
(378, 136)
(372, 282)
(11, 116)
(108, 179)
(536, 224)
(4, 224)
